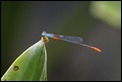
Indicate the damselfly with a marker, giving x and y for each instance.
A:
(72, 39)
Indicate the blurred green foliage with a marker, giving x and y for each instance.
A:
(108, 11)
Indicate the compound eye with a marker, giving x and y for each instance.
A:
(44, 33)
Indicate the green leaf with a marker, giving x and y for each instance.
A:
(31, 65)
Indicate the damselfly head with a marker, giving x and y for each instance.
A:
(43, 33)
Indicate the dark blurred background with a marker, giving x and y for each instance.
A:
(98, 23)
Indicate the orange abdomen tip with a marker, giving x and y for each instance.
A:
(96, 49)
(56, 38)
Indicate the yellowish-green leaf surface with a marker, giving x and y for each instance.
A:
(31, 65)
